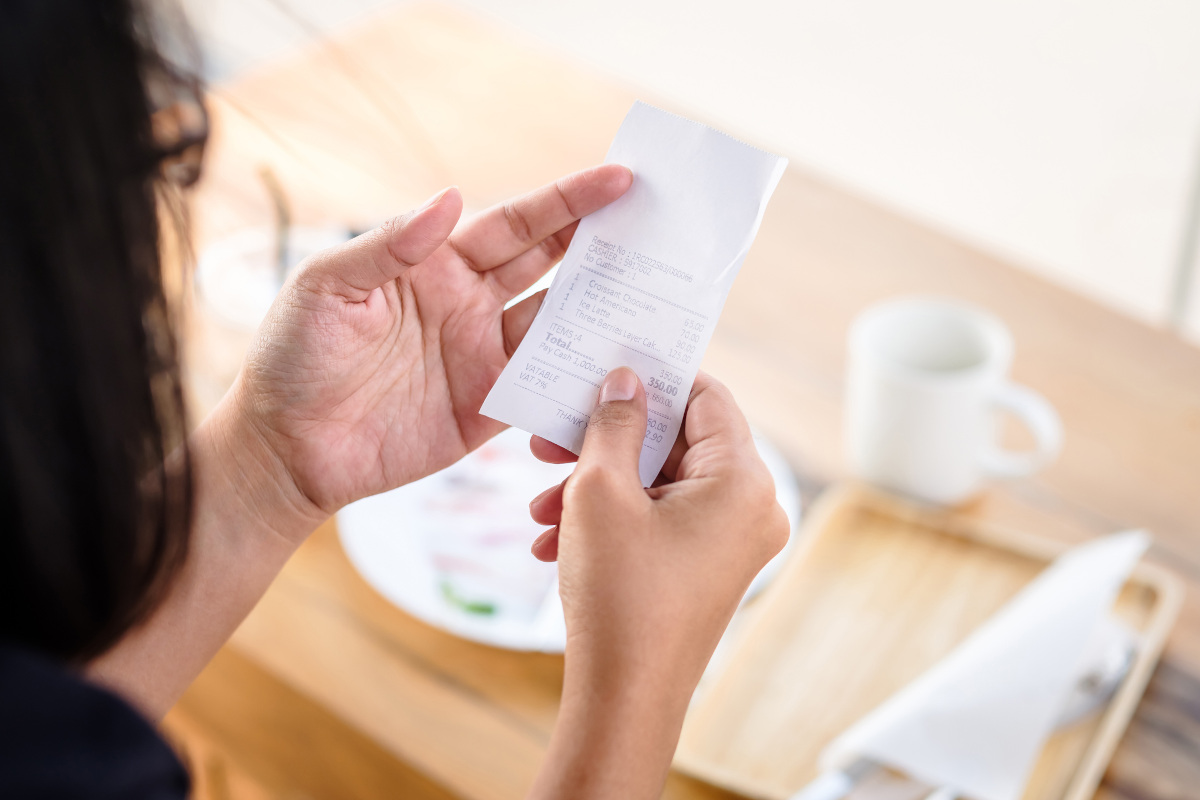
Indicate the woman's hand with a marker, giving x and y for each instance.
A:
(649, 580)
(368, 372)
(372, 365)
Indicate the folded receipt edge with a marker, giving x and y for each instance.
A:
(642, 283)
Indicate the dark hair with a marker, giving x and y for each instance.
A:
(92, 523)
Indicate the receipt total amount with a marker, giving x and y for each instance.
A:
(642, 283)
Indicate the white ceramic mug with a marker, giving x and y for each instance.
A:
(927, 384)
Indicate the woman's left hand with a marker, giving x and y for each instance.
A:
(371, 367)
(367, 373)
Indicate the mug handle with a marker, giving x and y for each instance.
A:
(1036, 413)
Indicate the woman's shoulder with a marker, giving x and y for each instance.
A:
(61, 736)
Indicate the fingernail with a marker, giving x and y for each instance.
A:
(433, 201)
(621, 384)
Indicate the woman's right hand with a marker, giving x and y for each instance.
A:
(649, 580)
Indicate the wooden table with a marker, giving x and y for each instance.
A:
(329, 691)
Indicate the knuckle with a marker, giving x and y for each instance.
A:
(753, 482)
(553, 248)
(392, 233)
(517, 221)
(590, 481)
(776, 531)
(711, 388)
(763, 489)
(393, 225)
(563, 187)
(614, 417)
(771, 527)
(720, 390)
(311, 273)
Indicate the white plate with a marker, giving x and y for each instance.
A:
(453, 549)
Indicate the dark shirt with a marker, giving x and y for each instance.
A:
(62, 737)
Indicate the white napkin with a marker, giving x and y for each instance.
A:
(977, 720)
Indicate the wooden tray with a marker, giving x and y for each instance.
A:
(877, 591)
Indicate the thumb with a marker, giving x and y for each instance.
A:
(613, 439)
(381, 255)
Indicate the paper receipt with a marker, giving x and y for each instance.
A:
(642, 283)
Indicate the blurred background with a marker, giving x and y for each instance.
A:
(1058, 136)
(1061, 135)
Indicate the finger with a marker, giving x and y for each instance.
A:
(516, 320)
(367, 262)
(505, 231)
(679, 448)
(547, 507)
(545, 547)
(670, 469)
(521, 272)
(612, 442)
(719, 442)
(712, 412)
(548, 452)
